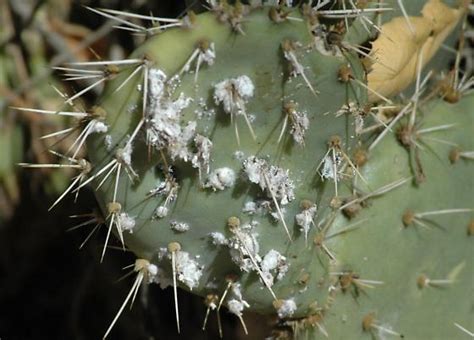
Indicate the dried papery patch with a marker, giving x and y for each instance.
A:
(399, 47)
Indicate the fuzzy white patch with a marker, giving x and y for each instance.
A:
(202, 157)
(208, 55)
(187, 269)
(97, 126)
(305, 219)
(179, 226)
(234, 93)
(244, 244)
(250, 208)
(272, 179)
(124, 155)
(236, 303)
(126, 222)
(108, 142)
(164, 130)
(221, 178)
(239, 155)
(287, 309)
(274, 261)
(161, 212)
(218, 239)
(179, 148)
(330, 166)
(299, 126)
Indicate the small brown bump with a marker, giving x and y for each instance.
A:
(111, 70)
(174, 247)
(98, 112)
(335, 142)
(85, 165)
(313, 320)
(306, 204)
(334, 38)
(470, 228)
(230, 278)
(361, 157)
(282, 333)
(277, 304)
(211, 299)
(203, 44)
(353, 209)
(314, 307)
(335, 203)
(287, 45)
(454, 155)
(344, 74)
(191, 17)
(405, 135)
(233, 223)
(141, 264)
(368, 322)
(451, 96)
(408, 218)
(304, 279)
(277, 15)
(345, 281)
(114, 207)
(318, 239)
(422, 281)
(447, 91)
(289, 107)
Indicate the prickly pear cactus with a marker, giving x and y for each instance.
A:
(257, 156)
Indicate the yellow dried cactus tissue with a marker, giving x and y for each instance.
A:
(398, 48)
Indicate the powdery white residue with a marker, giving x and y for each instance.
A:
(202, 157)
(239, 155)
(126, 222)
(220, 179)
(330, 166)
(179, 147)
(179, 226)
(97, 126)
(187, 269)
(218, 239)
(236, 303)
(208, 55)
(124, 155)
(287, 308)
(299, 126)
(234, 93)
(160, 212)
(108, 142)
(244, 244)
(305, 219)
(272, 179)
(163, 124)
(250, 208)
(274, 262)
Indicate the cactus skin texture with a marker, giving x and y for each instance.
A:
(319, 222)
